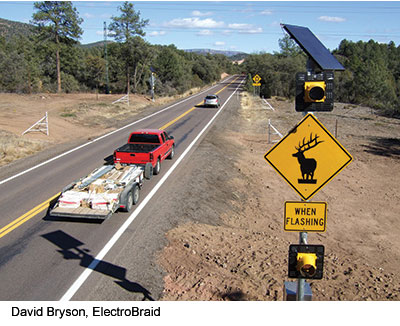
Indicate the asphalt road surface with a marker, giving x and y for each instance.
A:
(48, 258)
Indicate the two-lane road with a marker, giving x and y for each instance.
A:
(44, 258)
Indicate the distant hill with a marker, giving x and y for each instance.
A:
(9, 28)
(95, 44)
(236, 54)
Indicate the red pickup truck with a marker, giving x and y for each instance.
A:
(146, 145)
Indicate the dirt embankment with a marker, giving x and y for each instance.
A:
(233, 246)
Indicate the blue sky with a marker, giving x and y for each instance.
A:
(248, 26)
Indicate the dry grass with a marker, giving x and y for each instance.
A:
(13, 147)
(71, 116)
(94, 114)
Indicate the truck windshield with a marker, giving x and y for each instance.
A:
(144, 138)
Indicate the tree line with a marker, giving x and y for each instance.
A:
(50, 58)
(371, 76)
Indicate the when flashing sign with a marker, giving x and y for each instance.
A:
(305, 216)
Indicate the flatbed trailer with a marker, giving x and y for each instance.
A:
(102, 192)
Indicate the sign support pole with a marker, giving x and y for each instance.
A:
(301, 281)
(303, 235)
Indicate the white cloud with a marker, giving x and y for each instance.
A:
(240, 26)
(275, 24)
(201, 14)
(88, 16)
(245, 28)
(332, 19)
(206, 25)
(194, 23)
(256, 30)
(266, 12)
(157, 33)
(205, 32)
(219, 43)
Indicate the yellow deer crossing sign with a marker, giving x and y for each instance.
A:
(257, 80)
(308, 157)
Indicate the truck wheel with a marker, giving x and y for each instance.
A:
(135, 194)
(148, 171)
(172, 154)
(157, 168)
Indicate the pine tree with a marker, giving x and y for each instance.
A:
(58, 22)
(124, 29)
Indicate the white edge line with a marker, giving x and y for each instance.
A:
(85, 274)
(101, 137)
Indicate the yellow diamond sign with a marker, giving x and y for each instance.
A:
(256, 79)
(308, 157)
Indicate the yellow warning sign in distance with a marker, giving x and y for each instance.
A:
(256, 79)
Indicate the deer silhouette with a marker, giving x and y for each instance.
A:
(307, 165)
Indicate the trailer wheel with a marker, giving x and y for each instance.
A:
(135, 194)
(132, 198)
(148, 171)
(129, 202)
(172, 154)
(157, 168)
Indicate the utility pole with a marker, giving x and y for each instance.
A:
(106, 58)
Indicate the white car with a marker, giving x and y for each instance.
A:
(212, 100)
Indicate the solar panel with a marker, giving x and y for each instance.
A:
(313, 47)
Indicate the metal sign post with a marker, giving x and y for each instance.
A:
(301, 281)
(152, 80)
(257, 84)
(303, 236)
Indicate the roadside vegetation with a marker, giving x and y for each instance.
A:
(13, 147)
(46, 56)
(371, 78)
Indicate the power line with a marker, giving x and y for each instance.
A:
(252, 7)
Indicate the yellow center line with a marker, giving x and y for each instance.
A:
(191, 109)
(176, 119)
(26, 217)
